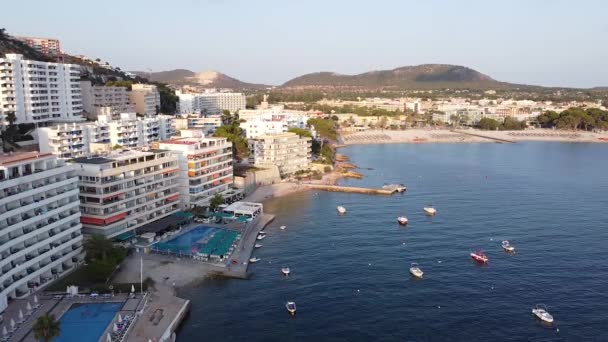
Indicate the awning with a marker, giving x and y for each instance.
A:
(125, 236)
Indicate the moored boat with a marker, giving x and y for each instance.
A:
(429, 210)
(261, 236)
(258, 245)
(341, 210)
(285, 271)
(402, 220)
(253, 260)
(291, 307)
(507, 246)
(540, 311)
(282, 227)
(480, 257)
(416, 271)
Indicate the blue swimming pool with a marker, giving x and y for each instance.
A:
(207, 240)
(86, 322)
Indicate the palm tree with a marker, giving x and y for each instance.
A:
(46, 328)
(216, 201)
(98, 247)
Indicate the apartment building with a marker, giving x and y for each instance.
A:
(256, 128)
(71, 140)
(210, 102)
(205, 166)
(40, 230)
(124, 190)
(208, 123)
(47, 46)
(39, 92)
(130, 131)
(94, 98)
(145, 98)
(288, 151)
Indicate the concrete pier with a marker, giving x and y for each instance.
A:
(351, 189)
(498, 140)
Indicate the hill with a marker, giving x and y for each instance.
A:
(9, 44)
(207, 79)
(426, 76)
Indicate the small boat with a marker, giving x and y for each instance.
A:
(416, 271)
(402, 220)
(341, 210)
(394, 187)
(261, 237)
(430, 211)
(282, 227)
(252, 260)
(291, 307)
(285, 271)
(258, 245)
(480, 257)
(540, 311)
(507, 247)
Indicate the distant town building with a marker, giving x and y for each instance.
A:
(128, 130)
(94, 98)
(145, 98)
(205, 167)
(40, 230)
(207, 123)
(39, 92)
(288, 151)
(210, 102)
(47, 46)
(126, 189)
(256, 128)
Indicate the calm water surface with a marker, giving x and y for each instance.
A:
(350, 273)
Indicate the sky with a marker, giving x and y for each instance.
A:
(541, 42)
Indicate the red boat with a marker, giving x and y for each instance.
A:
(479, 256)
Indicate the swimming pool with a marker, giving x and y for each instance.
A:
(86, 322)
(206, 240)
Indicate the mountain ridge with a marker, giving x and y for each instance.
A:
(208, 79)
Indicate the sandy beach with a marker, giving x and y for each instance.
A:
(468, 136)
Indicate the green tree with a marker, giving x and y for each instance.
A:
(455, 119)
(300, 131)
(488, 124)
(11, 118)
(240, 148)
(216, 201)
(46, 328)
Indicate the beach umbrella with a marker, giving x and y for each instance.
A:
(28, 307)
(20, 315)
(119, 318)
(4, 331)
(35, 299)
(132, 288)
(108, 338)
(13, 324)
(115, 328)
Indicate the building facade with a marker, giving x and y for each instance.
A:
(288, 151)
(205, 167)
(96, 97)
(47, 46)
(145, 98)
(210, 103)
(72, 140)
(256, 128)
(125, 190)
(39, 92)
(40, 230)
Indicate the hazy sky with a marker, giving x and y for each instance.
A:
(545, 42)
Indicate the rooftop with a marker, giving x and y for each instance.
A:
(6, 159)
(117, 156)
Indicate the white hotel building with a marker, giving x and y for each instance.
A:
(210, 103)
(39, 92)
(288, 151)
(125, 190)
(40, 230)
(71, 140)
(205, 167)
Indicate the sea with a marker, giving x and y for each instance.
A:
(350, 274)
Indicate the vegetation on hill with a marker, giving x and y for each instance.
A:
(234, 133)
(509, 124)
(9, 44)
(168, 99)
(575, 118)
(301, 132)
(326, 128)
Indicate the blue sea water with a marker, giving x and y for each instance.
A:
(86, 322)
(350, 273)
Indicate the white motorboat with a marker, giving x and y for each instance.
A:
(261, 237)
(415, 270)
(540, 311)
(282, 227)
(394, 187)
(291, 307)
(258, 245)
(253, 260)
(285, 271)
(341, 210)
(402, 220)
(507, 246)
(430, 211)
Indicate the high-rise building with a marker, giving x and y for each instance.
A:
(47, 46)
(39, 92)
(205, 167)
(210, 103)
(256, 128)
(40, 230)
(288, 151)
(125, 190)
(145, 98)
(71, 140)
(96, 97)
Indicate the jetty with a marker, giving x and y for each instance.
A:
(352, 189)
(498, 140)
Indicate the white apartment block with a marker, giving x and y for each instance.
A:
(125, 190)
(256, 128)
(71, 140)
(210, 103)
(145, 98)
(40, 229)
(94, 98)
(288, 151)
(205, 167)
(129, 131)
(208, 123)
(39, 92)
